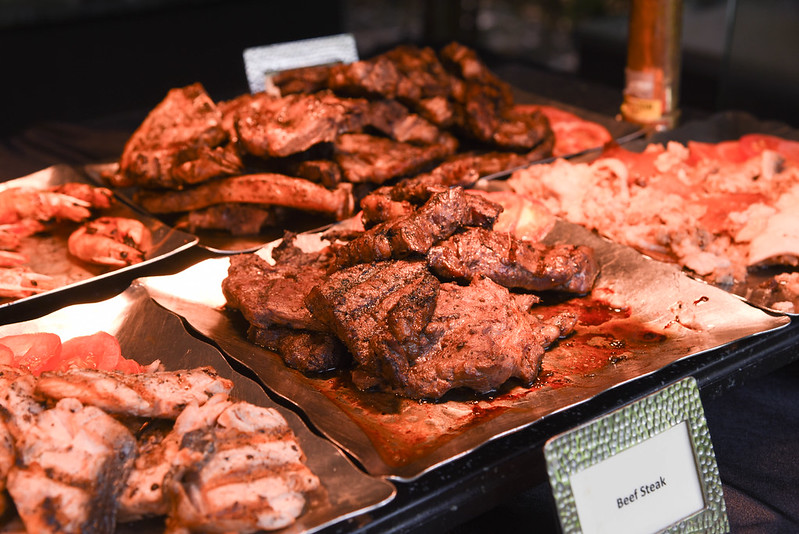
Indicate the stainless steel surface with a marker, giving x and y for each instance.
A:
(48, 251)
(657, 315)
(147, 332)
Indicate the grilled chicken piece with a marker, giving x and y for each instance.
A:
(6, 461)
(72, 462)
(143, 495)
(18, 406)
(239, 469)
(156, 394)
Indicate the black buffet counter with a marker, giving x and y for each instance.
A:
(749, 389)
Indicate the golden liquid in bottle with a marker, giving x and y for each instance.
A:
(652, 77)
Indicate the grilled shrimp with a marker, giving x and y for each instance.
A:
(19, 282)
(114, 241)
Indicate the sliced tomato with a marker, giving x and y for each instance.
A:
(730, 152)
(640, 164)
(100, 350)
(699, 151)
(126, 365)
(6, 356)
(33, 351)
(754, 144)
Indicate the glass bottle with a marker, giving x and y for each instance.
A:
(652, 76)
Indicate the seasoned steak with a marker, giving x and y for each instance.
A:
(272, 295)
(365, 158)
(478, 338)
(182, 141)
(277, 127)
(358, 301)
(389, 202)
(446, 212)
(513, 262)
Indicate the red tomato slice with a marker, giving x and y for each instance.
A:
(699, 151)
(730, 151)
(6, 355)
(755, 144)
(96, 351)
(126, 365)
(640, 165)
(33, 351)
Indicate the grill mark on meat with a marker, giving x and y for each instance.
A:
(262, 188)
(437, 219)
(270, 126)
(71, 467)
(239, 468)
(182, 141)
(514, 263)
(155, 394)
(355, 302)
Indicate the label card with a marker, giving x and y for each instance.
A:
(262, 61)
(646, 467)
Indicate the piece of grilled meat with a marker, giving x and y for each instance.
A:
(271, 299)
(442, 215)
(152, 394)
(514, 263)
(239, 469)
(181, 142)
(71, 467)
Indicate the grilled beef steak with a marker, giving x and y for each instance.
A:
(356, 302)
(514, 263)
(277, 127)
(271, 299)
(440, 217)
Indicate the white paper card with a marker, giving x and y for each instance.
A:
(261, 61)
(642, 489)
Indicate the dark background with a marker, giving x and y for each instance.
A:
(79, 60)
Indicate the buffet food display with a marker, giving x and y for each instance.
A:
(370, 267)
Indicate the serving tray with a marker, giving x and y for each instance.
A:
(642, 316)
(147, 332)
(727, 126)
(48, 254)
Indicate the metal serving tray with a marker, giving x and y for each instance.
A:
(643, 315)
(726, 126)
(48, 251)
(147, 332)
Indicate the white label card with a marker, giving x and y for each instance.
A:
(643, 468)
(643, 489)
(262, 61)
